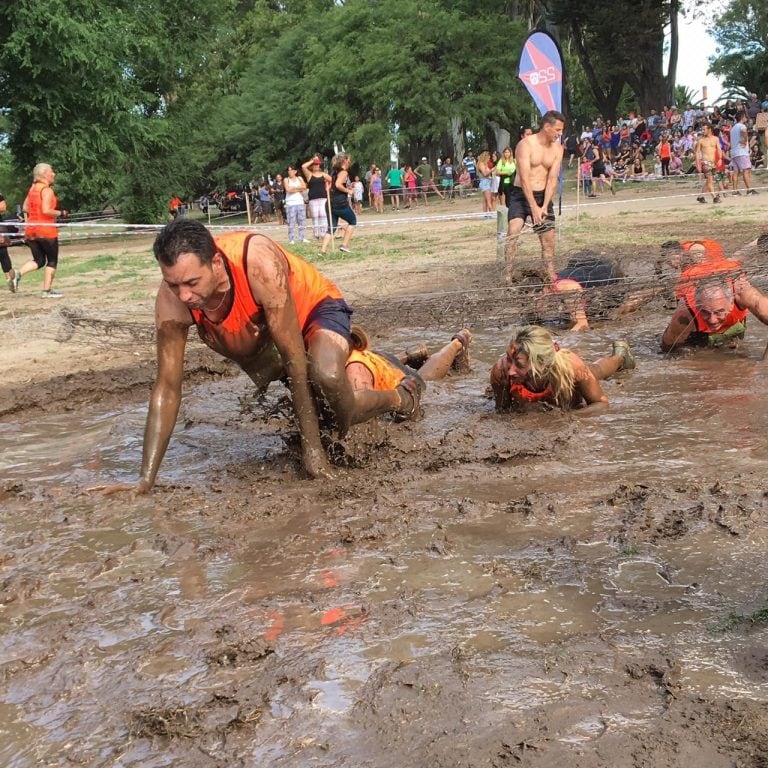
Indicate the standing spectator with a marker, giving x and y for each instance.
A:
(340, 208)
(204, 204)
(571, 149)
(688, 117)
(357, 196)
(426, 179)
(484, 174)
(740, 162)
(278, 197)
(265, 200)
(41, 233)
(5, 241)
(585, 175)
(446, 178)
(376, 191)
(653, 125)
(411, 195)
(505, 170)
(317, 183)
(665, 153)
(295, 209)
(395, 182)
(470, 165)
(753, 107)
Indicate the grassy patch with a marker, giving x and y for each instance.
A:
(734, 620)
(93, 264)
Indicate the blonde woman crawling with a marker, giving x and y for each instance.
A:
(534, 370)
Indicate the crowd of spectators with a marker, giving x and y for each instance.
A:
(663, 143)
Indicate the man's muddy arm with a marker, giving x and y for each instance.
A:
(679, 329)
(165, 399)
(553, 177)
(268, 277)
(500, 384)
(590, 389)
(749, 297)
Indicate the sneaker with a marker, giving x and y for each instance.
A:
(701, 199)
(716, 199)
(737, 193)
(291, 242)
(344, 249)
(751, 191)
(13, 283)
(51, 295)
(410, 389)
(305, 241)
(622, 350)
(416, 356)
(462, 363)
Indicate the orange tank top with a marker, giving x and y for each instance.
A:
(385, 375)
(686, 290)
(241, 332)
(39, 226)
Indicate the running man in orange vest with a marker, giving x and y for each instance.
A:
(274, 315)
(41, 209)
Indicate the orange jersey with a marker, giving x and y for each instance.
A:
(713, 251)
(385, 375)
(242, 332)
(689, 281)
(39, 226)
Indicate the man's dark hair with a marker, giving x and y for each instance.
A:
(671, 246)
(551, 117)
(183, 236)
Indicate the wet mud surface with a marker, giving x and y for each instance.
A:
(474, 590)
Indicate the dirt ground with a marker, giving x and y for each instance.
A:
(474, 590)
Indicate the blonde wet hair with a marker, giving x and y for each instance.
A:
(549, 364)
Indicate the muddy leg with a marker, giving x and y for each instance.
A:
(605, 367)
(438, 365)
(547, 240)
(514, 228)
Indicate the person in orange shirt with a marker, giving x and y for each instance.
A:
(369, 370)
(271, 313)
(41, 209)
(535, 371)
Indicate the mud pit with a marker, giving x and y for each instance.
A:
(475, 589)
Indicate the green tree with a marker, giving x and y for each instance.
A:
(741, 32)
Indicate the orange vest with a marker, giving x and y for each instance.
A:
(686, 290)
(39, 226)
(241, 333)
(385, 375)
(522, 394)
(713, 251)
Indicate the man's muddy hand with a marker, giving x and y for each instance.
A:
(317, 465)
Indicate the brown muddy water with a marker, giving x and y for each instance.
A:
(476, 589)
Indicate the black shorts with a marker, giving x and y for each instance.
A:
(330, 315)
(519, 208)
(45, 252)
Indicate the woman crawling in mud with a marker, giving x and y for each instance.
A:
(534, 370)
(369, 370)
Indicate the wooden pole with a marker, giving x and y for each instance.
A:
(330, 218)
(248, 204)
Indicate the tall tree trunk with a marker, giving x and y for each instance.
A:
(457, 137)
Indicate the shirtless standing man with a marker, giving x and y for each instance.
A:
(706, 152)
(538, 158)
